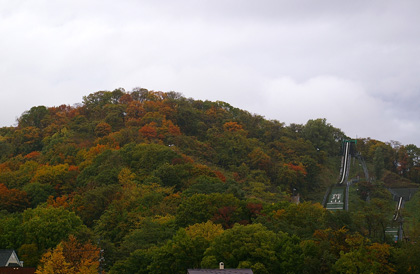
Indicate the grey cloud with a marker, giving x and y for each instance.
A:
(256, 55)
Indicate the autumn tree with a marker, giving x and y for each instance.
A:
(54, 262)
(102, 129)
(70, 257)
(364, 257)
(12, 200)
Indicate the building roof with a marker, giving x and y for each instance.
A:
(8, 257)
(220, 271)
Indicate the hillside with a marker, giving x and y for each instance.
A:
(163, 183)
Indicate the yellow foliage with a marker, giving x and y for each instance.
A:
(70, 257)
(53, 262)
(207, 230)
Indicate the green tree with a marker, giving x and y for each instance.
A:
(9, 234)
(33, 117)
(92, 203)
(185, 250)
(103, 170)
(38, 193)
(302, 219)
(220, 208)
(148, 233)
(136, 263)
(46, 227)
(255, 247)
(206, 185)
(323, 135)
(378, 163)
(147, 157)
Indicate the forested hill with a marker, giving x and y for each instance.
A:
(163, 183)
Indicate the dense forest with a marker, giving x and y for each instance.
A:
(153, 182)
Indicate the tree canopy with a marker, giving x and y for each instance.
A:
(154, 182)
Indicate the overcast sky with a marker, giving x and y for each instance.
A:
(355, 63)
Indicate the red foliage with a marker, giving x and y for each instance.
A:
(254, 209)
(73, 168)
(220, 176)
(237, 177)
(13, 200)
(225, 216)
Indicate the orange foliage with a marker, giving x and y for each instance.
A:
(215, 113)
(162, 130)
(62, 201)
(152, 106)
(32, 155)
(298, 168)
(149, 131)
(125, 99)
(173, 129)
(232, 126)
(135, 110)
(62, 114)
(4, 167)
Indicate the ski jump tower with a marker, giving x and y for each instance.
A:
(336, 197)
